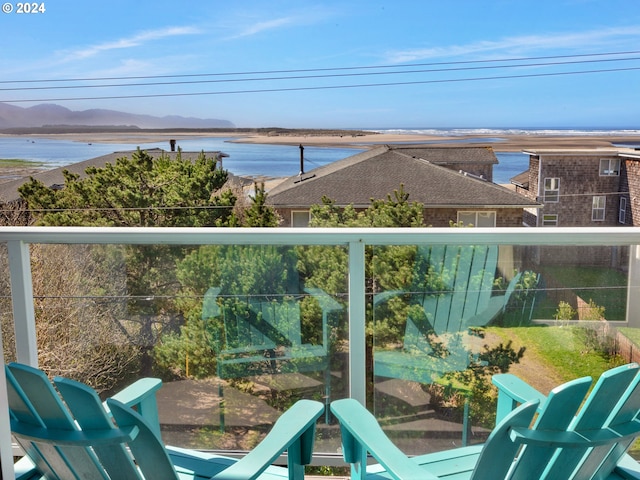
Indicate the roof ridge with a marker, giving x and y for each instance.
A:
(329, 168)
(435, 146)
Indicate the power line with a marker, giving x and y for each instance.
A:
(309, 70)
(116, 209)
(323, 87)
(333, 75)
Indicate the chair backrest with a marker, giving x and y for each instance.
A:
(261, 323)
(253, 323)
(68, 434)
(465, 282)
(283, 316)
(572, 437)
(361, 433)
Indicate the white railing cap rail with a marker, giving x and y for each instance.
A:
(324, 236)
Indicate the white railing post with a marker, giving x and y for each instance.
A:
(6, 448)
(633, 282)
(357, 315)
(24, 319)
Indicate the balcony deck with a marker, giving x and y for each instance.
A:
(252, 403)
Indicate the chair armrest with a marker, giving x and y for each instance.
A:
(141, 396)
(328, 305)
(72, 438)
(382, 297)
(327, 302)
(513, 391)
(361, 433)
(210, 306)
(575, 438)
(294, 432)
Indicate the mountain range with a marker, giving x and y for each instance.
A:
(49, 114)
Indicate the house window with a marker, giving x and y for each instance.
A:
(551, 189)
(609, 167)
(622, 212)
(597, 208)
(550, 220)
(300, 218)
(477, 219)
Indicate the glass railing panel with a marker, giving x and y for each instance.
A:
(275, 325)
(592, 279)
(92, 324)
(108, 314)
(6, 307)
(237, 333)
(445, 318)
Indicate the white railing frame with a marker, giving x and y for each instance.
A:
(18, 240)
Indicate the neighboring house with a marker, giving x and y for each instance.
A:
(453, 184)
(54, 178)
(582, 187)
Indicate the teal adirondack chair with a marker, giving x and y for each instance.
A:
(263, 335)
(568, 440)
(464, 298)
(67, 433)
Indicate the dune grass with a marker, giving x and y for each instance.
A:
(19, 163)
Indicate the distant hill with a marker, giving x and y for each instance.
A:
(48, 114)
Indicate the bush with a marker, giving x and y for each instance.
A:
(474, 384)
(186, 354)
(565, 312)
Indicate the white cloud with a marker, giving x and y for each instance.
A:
(246, 24)
(526, 44)
(266, 25)
(129, 42)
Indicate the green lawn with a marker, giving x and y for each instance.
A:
(605, 286)
(564, 351)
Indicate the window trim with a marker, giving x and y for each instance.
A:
(293, 212)
(476, 213)
(597, 208)
(606, 172)
(547, 192)
(548, 221)
(622, 211)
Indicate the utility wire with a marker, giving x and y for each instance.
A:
(309, 70)
(120, 209)
(323, 87)
(229, 207)
(333, 75)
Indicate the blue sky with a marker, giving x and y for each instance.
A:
(200, 40)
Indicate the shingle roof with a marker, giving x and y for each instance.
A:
(378, 172)
(447, 155)
(522, 179)
(9, 190)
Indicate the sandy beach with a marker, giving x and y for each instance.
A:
(501, 142)
(506, 143)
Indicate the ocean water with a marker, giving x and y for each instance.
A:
(497, 132)
(244, 159)
(513, 163)
(275, 160)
